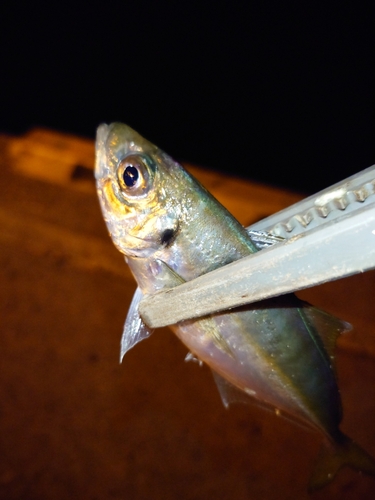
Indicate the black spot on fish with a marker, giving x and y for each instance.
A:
(167, 237)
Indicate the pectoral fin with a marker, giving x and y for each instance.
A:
(172, 279)
(134, 329)
(167, 275)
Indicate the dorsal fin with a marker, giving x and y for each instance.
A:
(327, 326)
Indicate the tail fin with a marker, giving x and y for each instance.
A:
(330, 461)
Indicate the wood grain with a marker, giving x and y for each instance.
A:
(76, 424)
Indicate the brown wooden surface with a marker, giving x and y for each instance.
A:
(75, 423)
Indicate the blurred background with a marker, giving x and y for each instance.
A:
(280, 92)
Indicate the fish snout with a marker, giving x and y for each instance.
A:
(101, 168)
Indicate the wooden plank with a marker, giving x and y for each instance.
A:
(76, 424)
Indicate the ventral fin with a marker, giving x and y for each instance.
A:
(230, 394)
(327, 326)
(191, 357)
(134, 329)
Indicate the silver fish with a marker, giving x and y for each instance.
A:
(278, 351)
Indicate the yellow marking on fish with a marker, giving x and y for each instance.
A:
(117, 206)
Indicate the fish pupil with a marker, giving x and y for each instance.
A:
(130, 176)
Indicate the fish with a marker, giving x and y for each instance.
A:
(278, 352)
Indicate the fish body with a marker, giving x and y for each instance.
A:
(171, 230)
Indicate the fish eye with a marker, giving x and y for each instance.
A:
(133, 176)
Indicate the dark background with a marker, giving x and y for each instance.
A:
(280, 92)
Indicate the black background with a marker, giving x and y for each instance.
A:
(280, 92)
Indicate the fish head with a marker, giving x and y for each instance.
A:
(139, 188)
